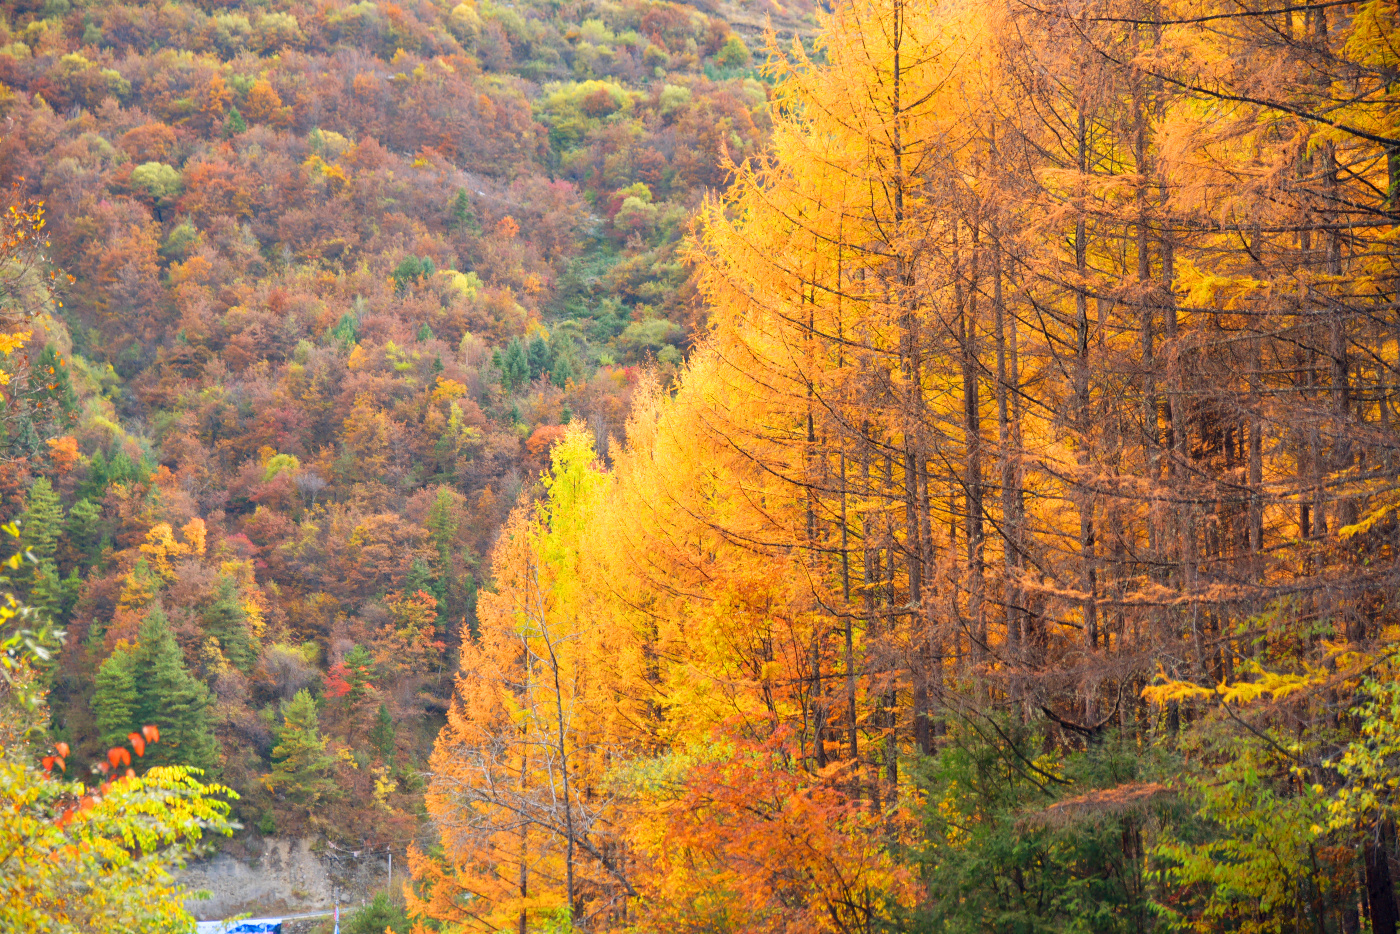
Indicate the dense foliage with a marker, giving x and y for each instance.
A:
(984, 520)
(1017, 551)
(332, 279)
(82, 855)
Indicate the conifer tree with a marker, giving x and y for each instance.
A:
(462, 215)
(54, 595)
(381, 735)
(515, 365)
(98, 476)
(171, 698)
(50, 373)
(225, 620)
(82, 531)
(560, 372)
(40, 525)
(538, 355)
(42, 520)
(346, 330)
(421, 577)
(301, 769)
(115, 699)
(235, 123)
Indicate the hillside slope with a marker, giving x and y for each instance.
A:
(340, 274)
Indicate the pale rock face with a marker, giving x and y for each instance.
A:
(287, 877)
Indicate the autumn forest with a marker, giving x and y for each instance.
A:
(898, 466)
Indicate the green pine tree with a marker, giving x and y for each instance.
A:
(560, 372)
(53, 595)
(42, 520)
(359, 671)
(83, 532)
(172, 699)
(115, 699)
(381, 735)
(235, 123)
(301, 770)
(346, 331)
(442, 522)
(462, 215)
(98, 476)
(421, 577)
(411, 270)
(55, 385)
(379, 917)
(225, 619)
(469, 601)
(539, 357)
(121, 469)
(515, 366)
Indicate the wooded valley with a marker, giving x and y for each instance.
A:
(933, 468)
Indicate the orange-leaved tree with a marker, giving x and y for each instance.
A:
(519, 791)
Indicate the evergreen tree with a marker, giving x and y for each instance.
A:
(346, 331)
(42, 520)
(53, 595)
(418, 577)
(421, 577)
(539, 356)
(115, 699)
(83, 531)
(26, 435)
(442, 522)
(560, 372)
(121, 469)
(462, 215)
(425, 333)
(469, 599)
(225, 619)
(50, 374)
(359, 670)
(381, 735)
(412, 269)
(172, 699)
(515, 366)
(40, 525)
(301, 769)
(99, 475)
(235, 123)
(379, 917)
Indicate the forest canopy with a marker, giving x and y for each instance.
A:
(928, 469)
(1016, 550)
(314, 289)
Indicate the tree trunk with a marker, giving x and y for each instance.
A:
(1380, 890)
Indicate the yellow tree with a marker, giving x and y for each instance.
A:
(519, 790)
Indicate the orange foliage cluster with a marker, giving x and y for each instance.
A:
(118, 757)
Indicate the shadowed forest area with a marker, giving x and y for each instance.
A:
(932, 468)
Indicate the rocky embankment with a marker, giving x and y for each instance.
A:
(272, 876)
